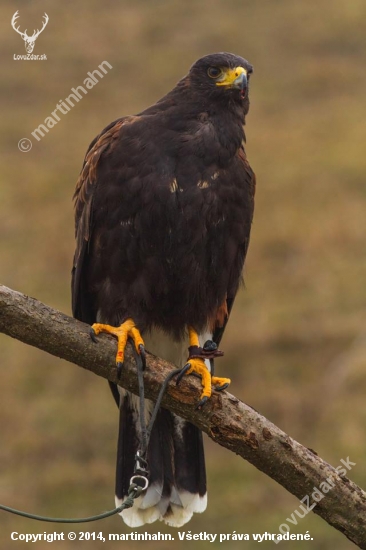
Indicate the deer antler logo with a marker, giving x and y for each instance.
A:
(29, 40)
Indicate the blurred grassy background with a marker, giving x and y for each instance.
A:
(296, 341)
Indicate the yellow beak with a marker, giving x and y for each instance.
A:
(234, 78)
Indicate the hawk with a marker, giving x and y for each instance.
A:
(163, 211)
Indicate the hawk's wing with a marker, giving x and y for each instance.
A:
(224, 310)
(82, 304)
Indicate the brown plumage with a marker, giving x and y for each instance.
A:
(163, 211)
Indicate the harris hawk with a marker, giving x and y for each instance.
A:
(163, 211)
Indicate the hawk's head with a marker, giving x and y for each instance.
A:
(223, 76)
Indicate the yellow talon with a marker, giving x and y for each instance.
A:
(198, 366)
(220, 382)
(127, 330)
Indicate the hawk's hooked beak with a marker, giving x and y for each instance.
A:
(235, 78)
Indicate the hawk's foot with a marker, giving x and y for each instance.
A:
(127, 330)
(220, 383)
(196, 365)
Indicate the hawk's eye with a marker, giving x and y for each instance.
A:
(214, 72)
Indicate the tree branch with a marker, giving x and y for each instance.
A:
(224, 418)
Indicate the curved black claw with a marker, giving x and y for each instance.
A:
(143, 356)
(182, 373)
(201, 402)
(92, 335)
(119, 366)
(222, 388)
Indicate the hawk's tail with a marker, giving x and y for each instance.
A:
(177, 481)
